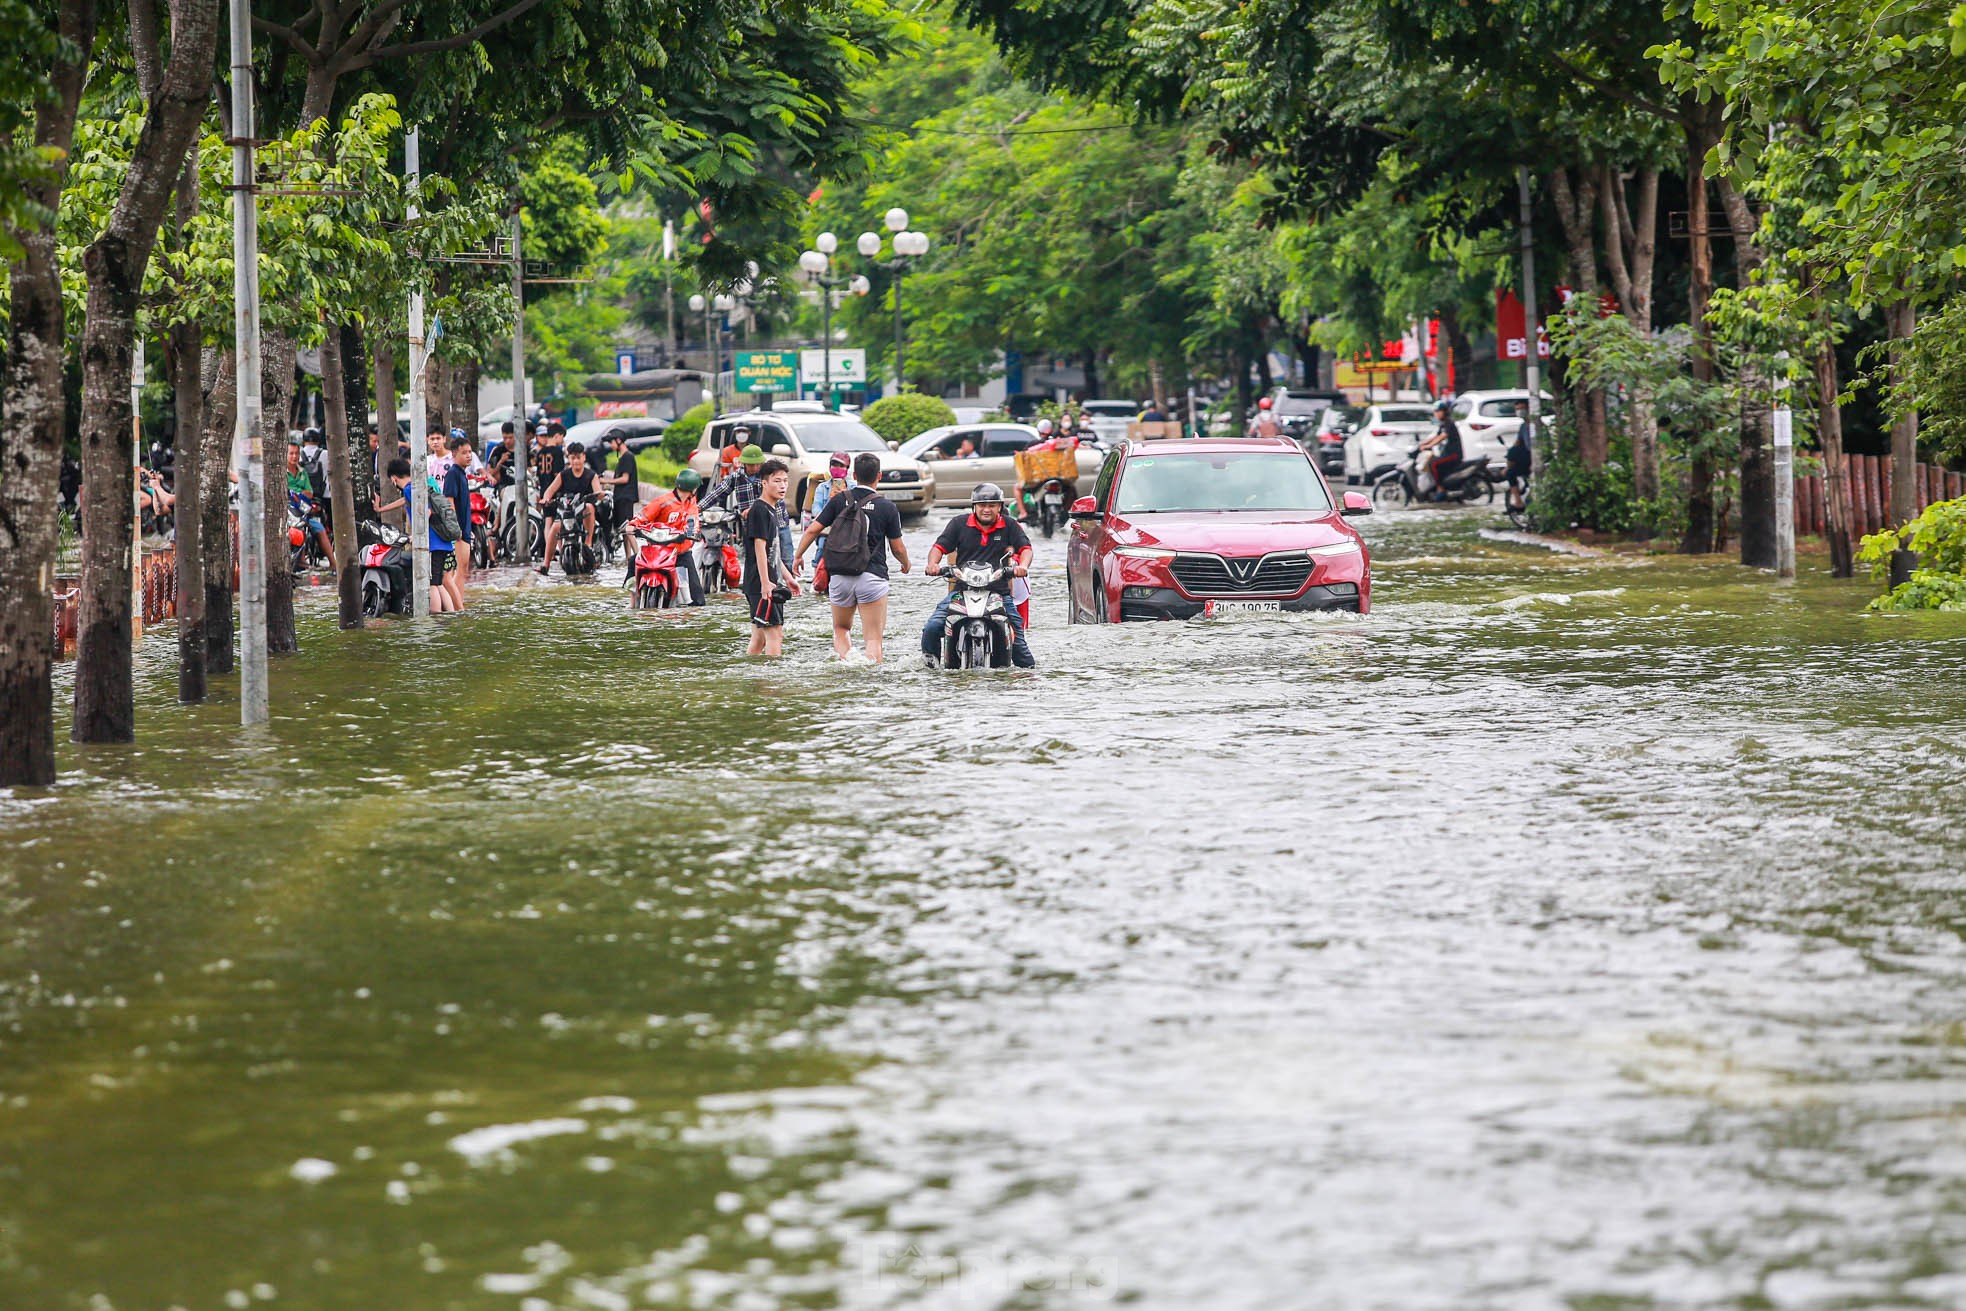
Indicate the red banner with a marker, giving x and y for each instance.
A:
(1511, 329)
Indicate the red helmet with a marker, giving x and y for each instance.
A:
(1263, 404)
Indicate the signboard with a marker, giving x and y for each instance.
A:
(848, 368)
(1511, 328)
(621, 410)
(772, 371)
(624, 362)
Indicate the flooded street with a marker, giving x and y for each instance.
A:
(1571, 932)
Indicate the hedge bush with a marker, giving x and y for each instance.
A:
(680, 437)
(909, 414)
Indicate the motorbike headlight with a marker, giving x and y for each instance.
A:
(1145, 553)
(1331, 549)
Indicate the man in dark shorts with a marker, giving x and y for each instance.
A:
(986, 534)
(768, 582)
(576, 480)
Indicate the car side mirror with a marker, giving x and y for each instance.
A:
(894, 446)
(1356, 503)
(1084, 508)
(781, 449)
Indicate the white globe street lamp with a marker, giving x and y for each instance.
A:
(897, 219)
(868, 244)
(814, 263)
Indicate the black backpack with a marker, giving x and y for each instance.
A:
(848, 547)
(443, 517)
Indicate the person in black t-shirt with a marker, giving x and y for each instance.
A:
(621, 479)
(1448, 439)
(578, 480)
(865, 591)
(985, 535)
(768, 582)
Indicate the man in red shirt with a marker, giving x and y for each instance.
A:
(676, 510)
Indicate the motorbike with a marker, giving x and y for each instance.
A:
(303, 552)
(978, 633)
(655, 567)
(385, 571)
(717, 561)
(1053, 497)
(577, 558)
(508, 529)
(482, 528)
(1412, 481)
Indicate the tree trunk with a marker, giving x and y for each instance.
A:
(1836, 469)
(436, 404)
(385, 418)
(355, 405)
(33, 419)
(1576, 208)
(187, 386)
(105, 707)
(341, 489)
(1460, 350)
(1631, 247)
(1901, 320)
(215, 488)
(1245, 398)
(1699, 490)
(1757, 443)
(276, 392)
(1091, 361)
(463, 409)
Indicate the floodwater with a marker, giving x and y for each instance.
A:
(1571, 932)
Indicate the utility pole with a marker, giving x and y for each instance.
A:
(247, 455)
(1532, 370)
(521, 419)
(136, 457)
(1784, 429)
(419, 498)
(669, 285)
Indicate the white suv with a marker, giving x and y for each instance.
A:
(804, 439)
(1488, 421)
(1383, 437)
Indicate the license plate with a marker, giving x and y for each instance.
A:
(1213, 608)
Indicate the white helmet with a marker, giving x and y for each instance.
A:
(1044, 427)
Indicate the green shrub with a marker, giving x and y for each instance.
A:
(907, 414)
(1567, 494)
(680, 437)
(1939, 581)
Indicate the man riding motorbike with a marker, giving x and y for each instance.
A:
(1049, 439)
(1448, 439)
(577, 480)
(988, 536)
(676, 510)
(1265, 424)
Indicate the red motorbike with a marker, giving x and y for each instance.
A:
(481, 530)
(655, 567)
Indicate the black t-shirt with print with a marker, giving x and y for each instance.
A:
(883, 524)
(624, 493)
(761, 524)
(967, 542)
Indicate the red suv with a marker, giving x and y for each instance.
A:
(1175, 529)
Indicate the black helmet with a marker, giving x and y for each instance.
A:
(985, 492)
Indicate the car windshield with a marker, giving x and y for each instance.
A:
(839, 435)
(1406, 416)
(1110, 409)
(1221, 480)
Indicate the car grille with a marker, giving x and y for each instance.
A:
(900, 476)
(1284, 573)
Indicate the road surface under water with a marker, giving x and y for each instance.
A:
(1572, 932)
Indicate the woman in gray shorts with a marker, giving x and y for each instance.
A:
(864, 592)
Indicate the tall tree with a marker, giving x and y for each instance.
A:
(33, 415)
(105, 709)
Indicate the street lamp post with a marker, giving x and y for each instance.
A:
(907, 245)
(817, 264)
(708, 307)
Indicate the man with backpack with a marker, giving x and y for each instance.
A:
(861, 526)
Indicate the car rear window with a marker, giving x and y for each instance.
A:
(839, 435)
(1406, 416)
(1220, 481)
(1498, 409)
(1110, 409)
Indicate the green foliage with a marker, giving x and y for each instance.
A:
(909, 414)
(26, 42)
(1939, 582)
(681, 437)
(1569, 494)
(657, 468)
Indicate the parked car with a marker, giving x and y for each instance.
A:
(642, 433)
(1176, 529)
(1297, 409)
(1327, 440)
(995, 446)
(804, 439)
(1383, 437)
(490, 422)
(1110, 418)
(1488, 421)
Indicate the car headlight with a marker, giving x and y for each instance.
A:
(1331, 549)
(1145, 553)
